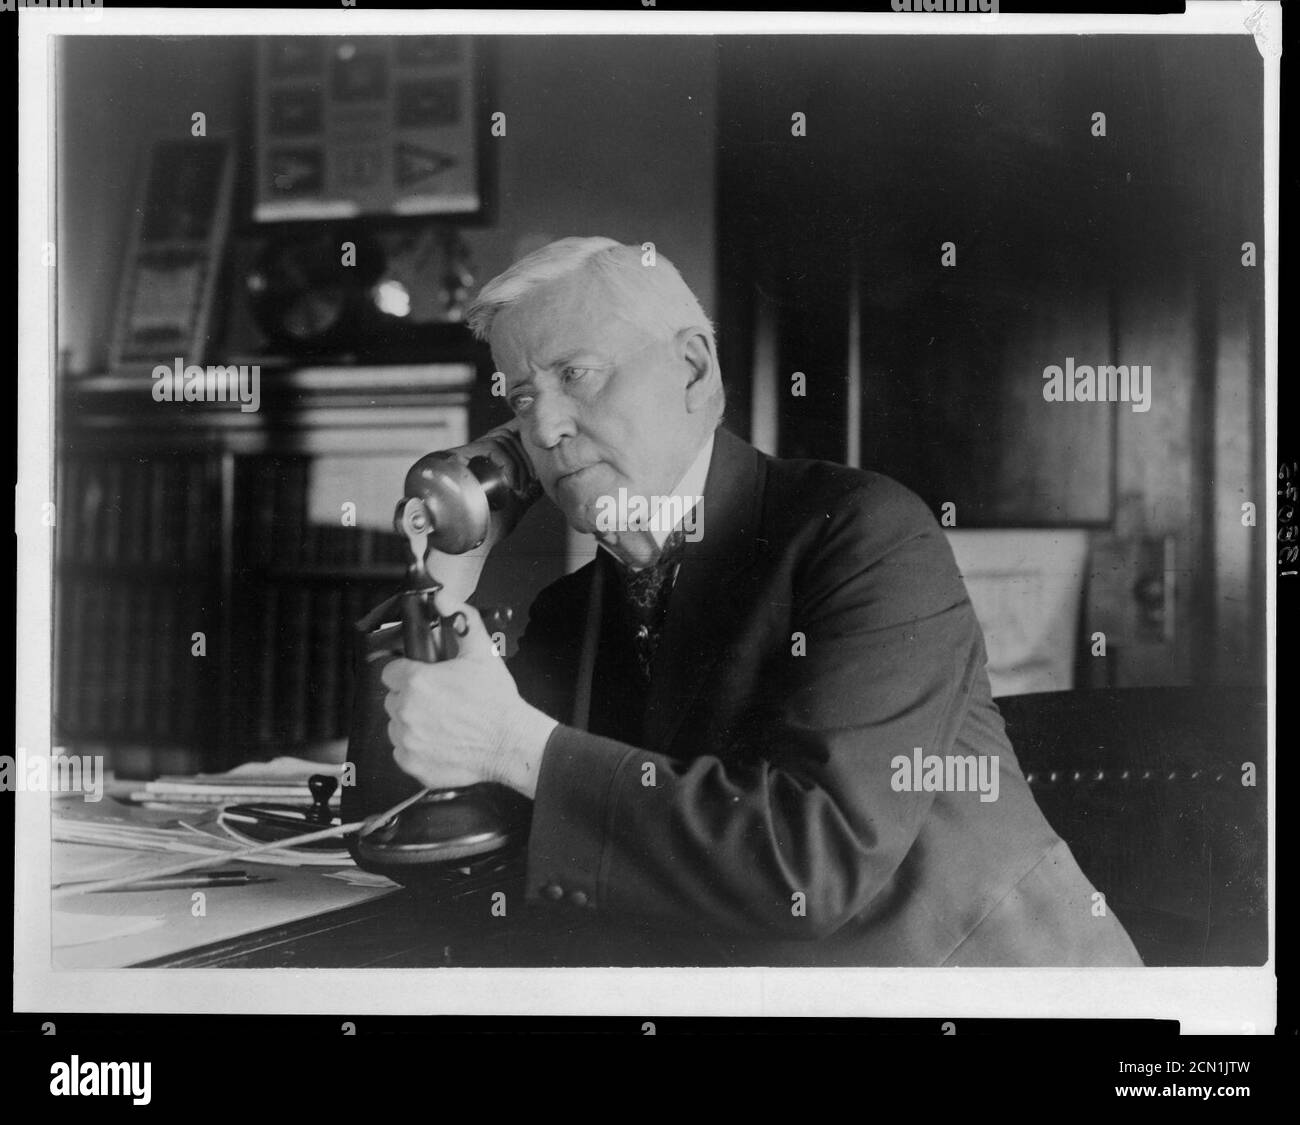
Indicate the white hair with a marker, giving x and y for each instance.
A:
(651, 290)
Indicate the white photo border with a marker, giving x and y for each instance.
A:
(1213, 1000)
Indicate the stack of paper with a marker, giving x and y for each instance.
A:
(282, 780)
(186, 839)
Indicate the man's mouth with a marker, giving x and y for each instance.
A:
(571, 476)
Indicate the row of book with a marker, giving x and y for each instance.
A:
(124, 660)
(273, 531)
(165, 511)
(159, 511)
(293, 674)
(130, 667)
(140, 574)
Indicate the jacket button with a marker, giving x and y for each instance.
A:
(553, 891)
(578, 898)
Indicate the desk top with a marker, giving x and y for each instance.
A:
(117, 929)
(308, 917)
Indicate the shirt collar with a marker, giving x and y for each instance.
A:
(690, 488)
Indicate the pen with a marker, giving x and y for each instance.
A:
(197, 881)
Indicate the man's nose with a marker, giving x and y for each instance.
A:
(550, 420)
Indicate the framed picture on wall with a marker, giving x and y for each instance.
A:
(177, 238)
(368, 126)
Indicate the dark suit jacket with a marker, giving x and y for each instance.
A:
(744, 810)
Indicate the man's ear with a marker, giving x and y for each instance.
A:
(701, 363)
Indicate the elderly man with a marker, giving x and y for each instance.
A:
(791, 754)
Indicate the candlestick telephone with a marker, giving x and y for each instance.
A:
(457, 505)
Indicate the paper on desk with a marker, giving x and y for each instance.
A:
(83, 929)
(81, 863)
(284, 766)
(113, 839)
(355, 877)
(281, 779)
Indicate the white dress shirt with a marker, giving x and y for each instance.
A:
(691, 490)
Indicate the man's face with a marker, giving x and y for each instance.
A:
(601, 400)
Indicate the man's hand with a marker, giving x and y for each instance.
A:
(462, 721)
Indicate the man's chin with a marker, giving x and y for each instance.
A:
(581, 519)
(580, 501)
(578, 513)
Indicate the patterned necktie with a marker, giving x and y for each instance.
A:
(645, 592)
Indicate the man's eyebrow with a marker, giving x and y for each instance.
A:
(569, 356)
(513, 382)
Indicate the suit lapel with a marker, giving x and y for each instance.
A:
(707, 602)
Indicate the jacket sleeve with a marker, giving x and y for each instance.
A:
(793, 827)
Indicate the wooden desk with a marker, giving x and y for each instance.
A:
(152, 926)
(448, 925)
(1144, 786)
(303, 917)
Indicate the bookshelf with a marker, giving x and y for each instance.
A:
(177, 519)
